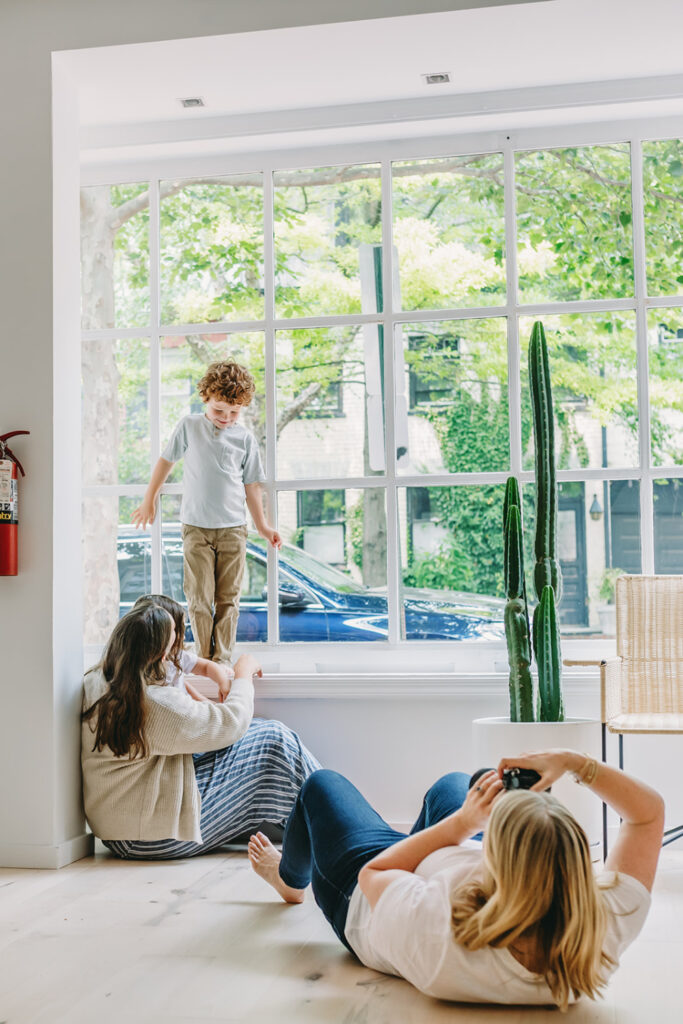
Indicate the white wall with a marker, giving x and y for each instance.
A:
(393, 747)
(41, 821)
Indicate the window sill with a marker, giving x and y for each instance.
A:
(406, 686)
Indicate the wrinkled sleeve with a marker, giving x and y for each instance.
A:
(177, 446)
(178, 725)
(252, 469)
(407, 928)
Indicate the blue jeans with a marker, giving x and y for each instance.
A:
(332, 831)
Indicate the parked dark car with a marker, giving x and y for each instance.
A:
(317, 602)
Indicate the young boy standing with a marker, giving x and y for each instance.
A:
(222, 467)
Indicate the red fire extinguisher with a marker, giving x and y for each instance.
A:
(9, 507)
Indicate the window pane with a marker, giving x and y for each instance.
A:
(452, 415)
(449, 232)
(116, 563)
(665, 371)
(668, 501)
(333, 565)
(593, 375)
(328, 228)
(574, 223)
(598, 539)
(212, 249)
(114, 256)
(662, 179)
(172, 550)
(329, 402)
(184, 359)
(452, 542)
(115, 411)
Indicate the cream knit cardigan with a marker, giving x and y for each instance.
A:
(156, 797)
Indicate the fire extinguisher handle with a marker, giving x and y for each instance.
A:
(13, 433)
(5, 449)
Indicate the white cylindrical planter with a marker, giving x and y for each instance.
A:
(494, 738)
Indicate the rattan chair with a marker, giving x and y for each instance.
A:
(641, 689)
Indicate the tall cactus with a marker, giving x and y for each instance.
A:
(546, 570)
(516, 614)
(512, 498)
(548, 659)
(547, 576)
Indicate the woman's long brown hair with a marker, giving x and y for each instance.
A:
(132, 659)
(177, 613)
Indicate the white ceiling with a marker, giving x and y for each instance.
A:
(130, 94)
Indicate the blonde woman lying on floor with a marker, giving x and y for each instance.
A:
(517, 918)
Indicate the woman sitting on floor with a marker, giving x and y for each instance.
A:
(168, 776)
(520, 918)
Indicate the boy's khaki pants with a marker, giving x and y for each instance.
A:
(214, 566)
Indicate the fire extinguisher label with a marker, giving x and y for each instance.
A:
(5, 480)
(8, 494)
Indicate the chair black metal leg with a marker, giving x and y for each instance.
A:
(604, 805)
(671, 834)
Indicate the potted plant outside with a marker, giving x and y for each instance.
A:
(537, 721)
(607, 610)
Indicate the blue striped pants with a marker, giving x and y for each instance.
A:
(255, 780)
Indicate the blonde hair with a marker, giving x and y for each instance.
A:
(538, 883)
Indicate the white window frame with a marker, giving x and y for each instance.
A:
(472, 657)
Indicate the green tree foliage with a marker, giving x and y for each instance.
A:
(663, 181)
(574, 223)
(472, 556)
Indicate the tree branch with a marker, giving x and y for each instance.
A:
(303, 179)
(297, 406)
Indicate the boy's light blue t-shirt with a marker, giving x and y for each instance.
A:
(218, 463)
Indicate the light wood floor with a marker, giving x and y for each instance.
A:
(202, 940)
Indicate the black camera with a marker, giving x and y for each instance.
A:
(520, 778)
(513, 778)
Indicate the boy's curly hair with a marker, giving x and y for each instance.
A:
(229, 382)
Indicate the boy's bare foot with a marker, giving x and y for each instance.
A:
(265, 860)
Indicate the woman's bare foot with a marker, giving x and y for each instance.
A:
(265, 861)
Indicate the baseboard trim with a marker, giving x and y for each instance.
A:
(27, 855)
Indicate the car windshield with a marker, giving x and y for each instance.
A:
(320, 572)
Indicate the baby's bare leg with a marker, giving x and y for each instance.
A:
(265, 860)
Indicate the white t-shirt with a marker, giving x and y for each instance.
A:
(219, 461)
(409, 933)
(176, 676)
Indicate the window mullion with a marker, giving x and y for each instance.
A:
(390, 292)
(271, 395)
(514, 378)
(640, 275)
(155, 369)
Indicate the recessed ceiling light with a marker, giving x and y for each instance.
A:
(437, 78)
(192, 101)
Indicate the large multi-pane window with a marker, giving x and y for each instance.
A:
(384, 309)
